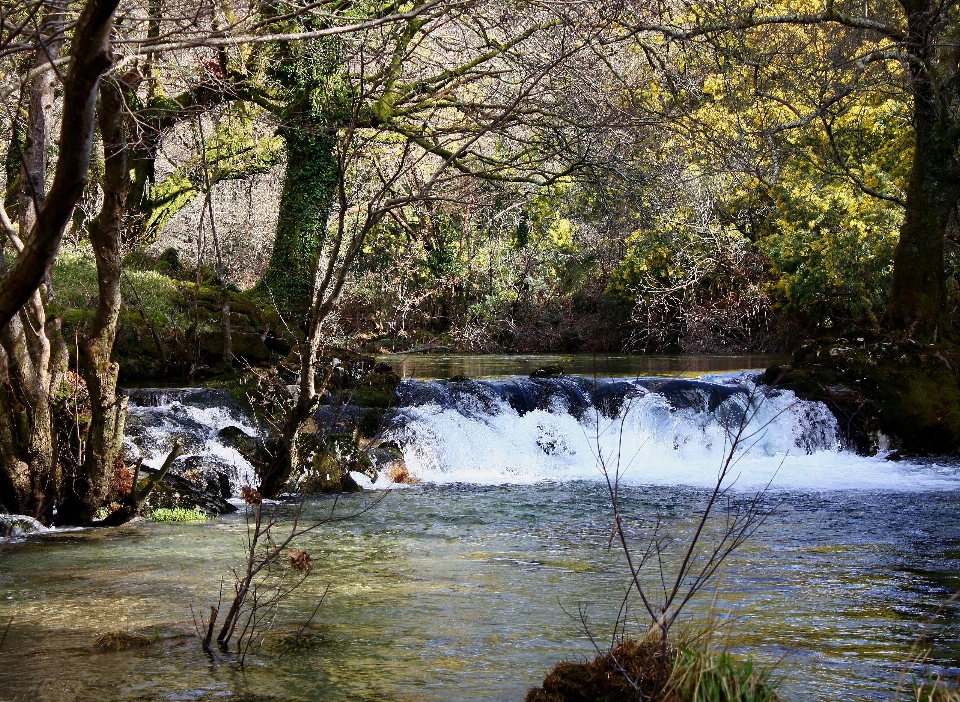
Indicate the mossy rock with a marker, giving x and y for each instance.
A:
(377, 389)
(328, 476)
(885, 386)
(238, 439)
(326, 462)
(380, 396)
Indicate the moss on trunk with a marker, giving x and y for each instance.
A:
(308, 190)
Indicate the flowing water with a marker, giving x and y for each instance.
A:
(429, 366)
(462, 587)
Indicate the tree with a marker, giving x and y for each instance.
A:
(458, 92)
(32, 357)
(916, 39)
(74, 469)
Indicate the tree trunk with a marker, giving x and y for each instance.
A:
(84, 491)
(308, 189)
(27, 439)
(91, 57)
(33, 165)
(918, 298)
(32, 349)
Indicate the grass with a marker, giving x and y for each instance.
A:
(120, 641)
(701, 675)
(179, 515)
(935, 689)
(691, 671)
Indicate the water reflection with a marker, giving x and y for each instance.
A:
(426, 366)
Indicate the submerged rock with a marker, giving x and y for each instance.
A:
(548, 372)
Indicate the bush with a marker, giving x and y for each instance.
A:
(646, 669)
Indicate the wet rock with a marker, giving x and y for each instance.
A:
(177, 491)
(19, 524)
(553, 371)
(325, 463)
(237, 438)
(886, 392)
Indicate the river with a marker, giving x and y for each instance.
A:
(462, 587)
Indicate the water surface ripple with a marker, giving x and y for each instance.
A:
(458, 592)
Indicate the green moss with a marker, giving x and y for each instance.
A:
(178, 515)
(886, 385)
(188, 320)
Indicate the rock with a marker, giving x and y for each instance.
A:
(326, 462)
(179, 491)
(19, 524)
(236, 438)
(886, 394)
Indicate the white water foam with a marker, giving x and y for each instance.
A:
(198, 427)
(789, 444)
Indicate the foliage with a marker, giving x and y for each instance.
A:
(178, 515)
(496, 268)
(687, 672)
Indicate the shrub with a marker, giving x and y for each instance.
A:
(645, 669)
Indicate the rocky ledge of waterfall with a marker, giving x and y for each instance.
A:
(888, 392)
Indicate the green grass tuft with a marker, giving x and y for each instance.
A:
(690, 671)
(178, 515)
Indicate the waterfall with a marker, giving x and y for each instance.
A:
(655, 431)
(207, 422)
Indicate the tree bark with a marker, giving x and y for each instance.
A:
(91, 57)
(918, 298)
(83, 492)
(305, 201)
(33, 166)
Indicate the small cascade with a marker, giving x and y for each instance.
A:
(652, 430)
(209, 424)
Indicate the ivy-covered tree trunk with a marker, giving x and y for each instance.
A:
(84, 491)
(918, 299)
(308, 190)
(305, 201)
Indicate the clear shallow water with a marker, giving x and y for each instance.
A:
(458, 592)
(427, 366)
(459, 588)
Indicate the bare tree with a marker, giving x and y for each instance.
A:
(460, 112)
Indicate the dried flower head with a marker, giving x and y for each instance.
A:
(301, 560)
(250, 495)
